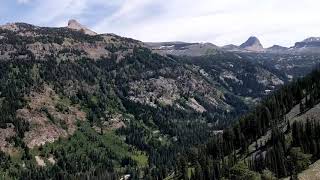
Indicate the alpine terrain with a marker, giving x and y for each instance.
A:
(76, 104)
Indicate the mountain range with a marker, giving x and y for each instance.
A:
(76, 104)
(252, 45)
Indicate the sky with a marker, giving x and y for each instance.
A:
(220, 22)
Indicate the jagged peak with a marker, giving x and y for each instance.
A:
(75, 25)
(73, 22)
(252, 44)
(251, 41)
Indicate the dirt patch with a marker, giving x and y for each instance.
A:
(195, 105)
(49, 116)
(40, 161)
(5, 134)
(51, 160)
(116, 122)
(313, 173)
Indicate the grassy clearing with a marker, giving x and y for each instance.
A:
(140, 157)
(121, 149)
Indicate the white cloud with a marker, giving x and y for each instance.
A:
(221, 22)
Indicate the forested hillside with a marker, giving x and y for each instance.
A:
(101, 106)
(293, 65)
(278, 139)
(86, 106)
(239, 75)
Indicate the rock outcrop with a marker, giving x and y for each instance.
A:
(73, 24)
(252, 44)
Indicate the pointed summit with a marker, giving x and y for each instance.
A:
(75, 25)
(252, 44)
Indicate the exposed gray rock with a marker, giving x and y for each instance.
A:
(73, 24)
(252, 44)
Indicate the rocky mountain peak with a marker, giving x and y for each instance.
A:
(312, 39)
(73, 22)
(309, 44)
(252, 44)
(75, 25)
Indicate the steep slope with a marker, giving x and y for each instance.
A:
(238, 75)
(311, 173)
(293, 65)
(277, 139)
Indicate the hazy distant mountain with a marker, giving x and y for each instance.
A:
(308, 46)
(183, 48)
(252, 44)
(312, 42)
(231, 47)
(277, 48)
(200, 49)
